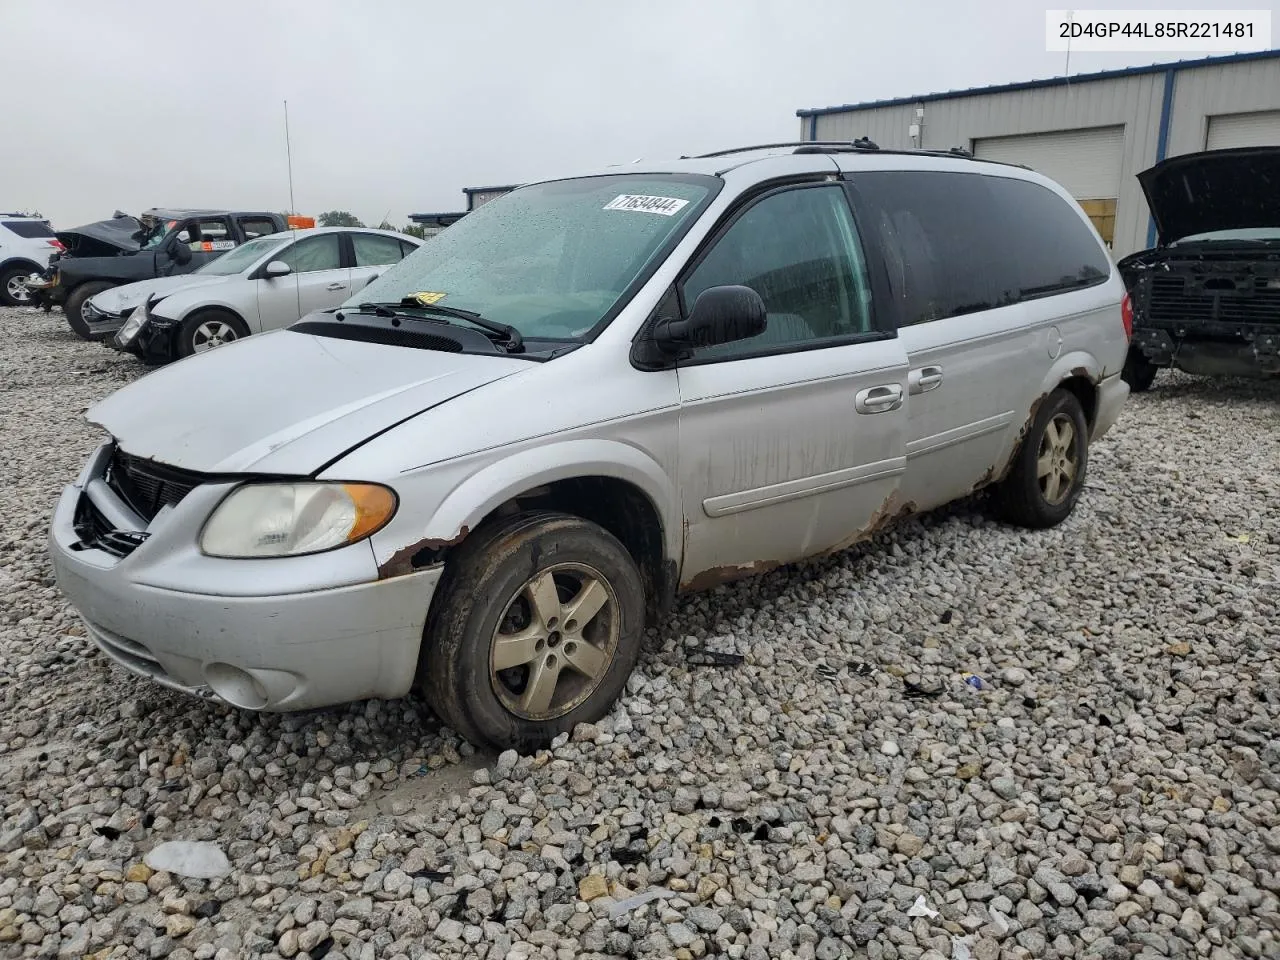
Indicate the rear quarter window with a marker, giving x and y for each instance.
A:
(29, 229)
(1054, 247)
(959, 243)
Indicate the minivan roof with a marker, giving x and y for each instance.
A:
(723, 161)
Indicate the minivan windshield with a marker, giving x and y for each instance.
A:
(242, 257)
(550, 259)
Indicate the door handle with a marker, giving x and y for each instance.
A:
(924, 379)
(336, 286)
(881, 399)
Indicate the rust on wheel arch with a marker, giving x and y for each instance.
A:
(402, 562)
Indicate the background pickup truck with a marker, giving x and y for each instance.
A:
(161, 243)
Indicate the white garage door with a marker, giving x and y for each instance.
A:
(1086, 162)
(1243, 130)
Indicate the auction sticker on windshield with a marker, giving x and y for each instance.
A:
(665, 206)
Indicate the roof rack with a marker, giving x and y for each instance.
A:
(860, 145)
(770, 146)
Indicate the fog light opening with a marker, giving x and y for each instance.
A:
(238, 687)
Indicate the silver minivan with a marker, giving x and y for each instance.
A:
(488, 472)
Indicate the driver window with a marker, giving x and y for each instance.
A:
(799, 250)
(314, 253)
(205, 233)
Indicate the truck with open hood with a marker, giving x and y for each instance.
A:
(124, 249)
(1206, 298)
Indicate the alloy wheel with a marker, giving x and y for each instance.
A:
(555, 642)
(1058, 461)
(210, 334)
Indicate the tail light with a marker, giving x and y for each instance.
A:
(57, 245)
(1126, 316)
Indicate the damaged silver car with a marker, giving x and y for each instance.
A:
(486, 473)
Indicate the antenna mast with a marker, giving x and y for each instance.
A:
(288, 148)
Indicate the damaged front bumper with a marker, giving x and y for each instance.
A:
(101, 324)
(282, 634)
(1226, 350)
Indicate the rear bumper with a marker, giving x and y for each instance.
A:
(1112, 393)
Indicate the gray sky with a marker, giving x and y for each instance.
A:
(395, 105)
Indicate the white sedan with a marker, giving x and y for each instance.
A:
(261, 285)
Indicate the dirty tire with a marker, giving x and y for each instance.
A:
(198, 325)
(1138, 372)
(482, 576)
(1019, 498)
(76, 299)
(10, 278)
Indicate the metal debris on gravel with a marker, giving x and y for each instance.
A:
(1109, 792)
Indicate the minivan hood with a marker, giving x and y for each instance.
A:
(1214, 190)
(284, 402)
(130, 295)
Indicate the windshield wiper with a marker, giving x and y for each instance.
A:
(504, 334)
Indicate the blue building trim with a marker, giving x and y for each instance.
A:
(1048, 82)
(1162, 140)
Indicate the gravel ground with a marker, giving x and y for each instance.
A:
(1110, 791)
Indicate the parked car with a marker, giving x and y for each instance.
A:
(1206, 298)
(488, 470)
(26, 244)
(162, 243)
(264, 284)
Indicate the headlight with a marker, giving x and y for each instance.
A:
(133, 326)
(287, 519)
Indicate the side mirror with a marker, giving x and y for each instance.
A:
(181, 252)
(184, 236)
(278, 268)
(719, 315)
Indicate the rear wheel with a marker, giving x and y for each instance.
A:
(209, 329)
(1049, 468)
(13, 286)
(1138, 372)
(536, 629)
(76, 300)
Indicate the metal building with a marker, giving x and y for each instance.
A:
(479, 196)
(433, 223)
(1090, 132)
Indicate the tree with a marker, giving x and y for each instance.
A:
(338, 218)
(386, 225)
(415, 230)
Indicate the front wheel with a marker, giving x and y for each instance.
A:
(76, 300)
(13, 287)
(1049, 468)
(209, 329)
(1138, 372)
(536, 629)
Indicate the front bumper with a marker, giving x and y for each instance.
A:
(101, 325)
(275, 635)
(1213, 349)
(1112, 393)
(155, 343)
